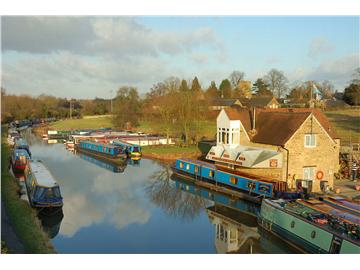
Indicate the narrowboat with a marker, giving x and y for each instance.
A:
(13, 135)
(42, 189)
(343, 204)
(19, 160)
(108, 164)
(132, 150)
(205, 171)
(307, 229)
(21, 143)
(102, 150)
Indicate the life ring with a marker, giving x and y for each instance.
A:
(319, 175)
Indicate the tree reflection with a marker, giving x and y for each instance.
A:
(163, 192)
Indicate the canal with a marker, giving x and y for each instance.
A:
(140, 208)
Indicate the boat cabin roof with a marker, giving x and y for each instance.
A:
(100, 144)
(21, 142)
(21, 152)
(42, 174)
(120, 142)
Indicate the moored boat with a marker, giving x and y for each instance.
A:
(308, 229)
(343, 204)
(42, 188)
(19, 160)
(132, 150)
(109, 151)
(21, 143)
(205, 171)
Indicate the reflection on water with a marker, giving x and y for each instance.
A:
(143, 210)
(51, 221)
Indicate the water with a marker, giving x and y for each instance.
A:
(143, 210)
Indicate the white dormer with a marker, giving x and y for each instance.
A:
(228, 130)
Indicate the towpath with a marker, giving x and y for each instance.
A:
(8, 235)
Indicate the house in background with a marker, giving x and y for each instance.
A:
(257, 102)
(284, 145)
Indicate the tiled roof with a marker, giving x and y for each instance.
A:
(276, 126)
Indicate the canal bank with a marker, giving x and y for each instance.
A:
(22, 218)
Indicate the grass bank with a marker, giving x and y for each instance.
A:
(170, 152)
(347, 125)
(23, 218)
(84, 123)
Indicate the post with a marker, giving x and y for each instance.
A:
(111, 102)
(70, 110)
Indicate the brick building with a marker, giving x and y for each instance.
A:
(281, 144)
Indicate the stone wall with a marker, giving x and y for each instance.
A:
(324, 157)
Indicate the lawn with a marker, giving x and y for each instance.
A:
(347, 125)
(84, 123)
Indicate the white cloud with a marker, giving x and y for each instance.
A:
(318, 47)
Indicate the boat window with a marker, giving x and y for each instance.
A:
(196, 169)
(181, 165)
(313, 234)
(39, 193)
(233, 180)
(56, 191)
(211, 173)
(292, 224)
(187, 166)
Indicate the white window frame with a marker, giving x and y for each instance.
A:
(307, 173)
(312, 144)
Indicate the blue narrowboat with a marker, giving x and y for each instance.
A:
(19, 160)
(102, 150)
(42, 189)
(21, 143)
(132, 150)
(204, 171)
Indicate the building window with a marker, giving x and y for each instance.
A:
(310, 140)
(236, 137)
(309, 173)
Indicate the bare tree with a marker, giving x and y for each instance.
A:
(235, 77)
(277, 82)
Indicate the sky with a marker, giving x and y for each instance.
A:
(87, 57)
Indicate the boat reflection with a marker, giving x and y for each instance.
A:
(51, 221)
(106, 164)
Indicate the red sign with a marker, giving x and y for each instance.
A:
(273, 163)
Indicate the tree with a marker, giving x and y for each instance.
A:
(260, 88)
(126, 107)
(243, 89)
(195, 86)
(212, 92)
(326, 89)
(352, 94)
(235, 77)
(356, 77)
(277, 82)
(225, 89)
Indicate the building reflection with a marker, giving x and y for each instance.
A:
(235, 232)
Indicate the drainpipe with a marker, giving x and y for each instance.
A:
(287, 162)
(253, 122)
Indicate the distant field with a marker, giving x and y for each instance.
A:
(72, 124)
(346, 124)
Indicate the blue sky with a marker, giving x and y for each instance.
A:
(84, 57)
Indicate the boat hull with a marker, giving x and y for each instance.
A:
(302, 234)
(115, 159)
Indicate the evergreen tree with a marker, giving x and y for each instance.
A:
(225, 89)
(212, 91)
(260, 88)
(195, 86)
